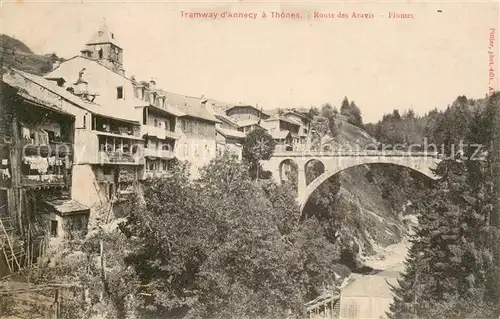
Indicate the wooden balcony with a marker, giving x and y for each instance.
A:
(54, 148)
(155, 174)
(44, 180)
(119, 158)
(159, 132)
(165, 154)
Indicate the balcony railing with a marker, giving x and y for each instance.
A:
(166, 154)
(52, 149)
(119, 158)
(155, 174)
(43, 180)
(159, 132)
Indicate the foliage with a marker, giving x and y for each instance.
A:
(320, 129)
(88, 292)
(202, 251)
(352, 112)
(452, 268)
(259, 145)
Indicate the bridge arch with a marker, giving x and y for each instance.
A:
(287, 167)
(313, 164)
(423, 167)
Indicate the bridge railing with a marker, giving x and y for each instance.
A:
(281, 153)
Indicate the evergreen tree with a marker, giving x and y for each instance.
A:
(453, 257)
(344, 108)
(354, 116)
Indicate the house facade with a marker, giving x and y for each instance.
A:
(229, 139)
(37, 160)
(241, 112)
(169, 125)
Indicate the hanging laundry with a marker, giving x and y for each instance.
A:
(67, 162)
(25, 133)
(43, 137)
(51, 160)
(4, 173)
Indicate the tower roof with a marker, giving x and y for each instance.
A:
(103, 35)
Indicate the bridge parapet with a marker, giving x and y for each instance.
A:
(337, 161)
(312, 154)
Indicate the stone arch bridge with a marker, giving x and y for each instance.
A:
(335, 162)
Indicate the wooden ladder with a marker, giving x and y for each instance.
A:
(5, 234)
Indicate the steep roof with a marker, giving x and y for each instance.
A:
(67, 206)
(242, 105)
(231, 133)
(280, 135)
(103, 35)
(29, 92)
(284, 119)
(189, 105)
(302, 116)
(248, 122)
(226, 119)
(92, 107)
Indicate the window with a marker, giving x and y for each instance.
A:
(119, 92)
(151, 165)
(156, 123)
(107, 170)
(53, 228)
(100, 54)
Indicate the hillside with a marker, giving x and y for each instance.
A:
(374, 199)
(16, 54)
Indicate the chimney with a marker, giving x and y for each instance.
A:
(81, 86)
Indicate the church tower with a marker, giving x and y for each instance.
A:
(104, 48)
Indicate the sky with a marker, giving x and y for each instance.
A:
(380, 63)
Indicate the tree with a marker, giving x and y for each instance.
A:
(330, 113)
(410, 114)
(452, 269)
(313, 112)
(354, 116)
(259, 145)
(327, 111)
(319, 129)
(344, 108)
(201, 251)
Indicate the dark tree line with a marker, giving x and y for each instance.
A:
(453, 266)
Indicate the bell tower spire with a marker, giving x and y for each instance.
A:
(104, 48)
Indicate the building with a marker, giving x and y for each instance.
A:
(327, 305)
(229, 139)
(170, 125)
(285, 131)
(37, 160)
(243, 112)
(159, 128)
(369, 296)
(304, 129)
(104, 48)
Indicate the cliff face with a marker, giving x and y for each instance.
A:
(376, 201)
